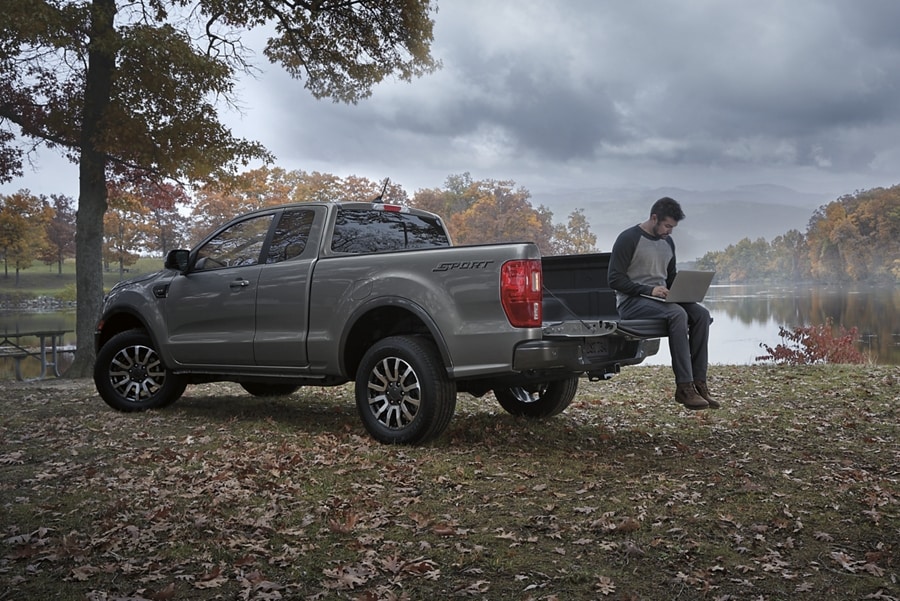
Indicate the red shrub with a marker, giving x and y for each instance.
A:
(814, 344)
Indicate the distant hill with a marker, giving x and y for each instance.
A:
(715, 219)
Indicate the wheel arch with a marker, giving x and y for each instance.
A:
(382, 318)
(121, 321)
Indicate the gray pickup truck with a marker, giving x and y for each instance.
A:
(321, 294)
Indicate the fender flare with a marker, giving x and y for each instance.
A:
(394, 302)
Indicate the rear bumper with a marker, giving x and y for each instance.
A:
(578, 356)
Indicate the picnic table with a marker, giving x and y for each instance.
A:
(50, 346)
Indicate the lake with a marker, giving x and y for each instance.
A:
(745, 316)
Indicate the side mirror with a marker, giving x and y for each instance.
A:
(177, 259)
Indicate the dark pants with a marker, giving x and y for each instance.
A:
(688, 333)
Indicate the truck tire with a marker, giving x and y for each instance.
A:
(263, 390)
(538, 400)
(403, 393)
(130, 375)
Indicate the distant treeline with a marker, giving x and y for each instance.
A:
(853, 239)
(150, 219)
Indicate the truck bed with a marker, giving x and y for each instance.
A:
(576, 287)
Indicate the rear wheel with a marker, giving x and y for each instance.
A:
(545, 399)
(403, 393)
(264, 390)
(130, 375)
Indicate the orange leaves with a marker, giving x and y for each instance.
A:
(344, 523)
(495, 211)
(211, 579)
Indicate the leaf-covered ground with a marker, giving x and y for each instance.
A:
(791, 490)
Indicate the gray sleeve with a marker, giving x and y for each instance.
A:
(620, 259)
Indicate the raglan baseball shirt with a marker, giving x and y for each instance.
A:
(640, 262)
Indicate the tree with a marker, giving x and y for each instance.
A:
(224, 198)
(60, 230)
(856, 237)
(501, 213)
(125, 228)
(488, 211)
(875, 215)
(219, 201)
(22, 236)
(165, 225)
(318, 187)
(576, 237)
(456, 196)
(74, 77)
(745, 261)
(789, 257)
(828, 229)
(362, 189)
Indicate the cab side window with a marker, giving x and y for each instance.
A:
(291, 235)
(238, 246)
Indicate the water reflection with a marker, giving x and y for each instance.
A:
(746, 316)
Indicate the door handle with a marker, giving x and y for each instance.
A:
(239, 283)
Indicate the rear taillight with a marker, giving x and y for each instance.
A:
(520, 292)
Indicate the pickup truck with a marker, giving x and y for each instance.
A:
(321, 294)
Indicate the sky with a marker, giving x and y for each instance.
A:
(563, 95)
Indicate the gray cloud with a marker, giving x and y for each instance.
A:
(588, 93)
(688, 85)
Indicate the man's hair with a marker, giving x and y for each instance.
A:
(667, 207)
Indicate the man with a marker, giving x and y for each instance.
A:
(643, 262)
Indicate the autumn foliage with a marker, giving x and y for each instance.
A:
(855, 238)
(804, 345)
(132, 90)
(150, 218)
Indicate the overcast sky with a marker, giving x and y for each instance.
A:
(575, 94)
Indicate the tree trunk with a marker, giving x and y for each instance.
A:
(92, 194)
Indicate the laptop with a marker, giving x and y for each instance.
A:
(688, 287)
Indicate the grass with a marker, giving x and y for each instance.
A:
(792, 489)
(45, 280)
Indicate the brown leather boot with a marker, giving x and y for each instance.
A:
(703, 390)
(686, 394)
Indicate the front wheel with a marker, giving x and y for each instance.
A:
(130, 375)
(403, 393)
(538, 400)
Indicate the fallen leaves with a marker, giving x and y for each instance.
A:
(790, 487)
(605, 586)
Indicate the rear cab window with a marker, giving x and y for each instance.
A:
(372, 231)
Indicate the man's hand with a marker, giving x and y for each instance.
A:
(660, 292)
